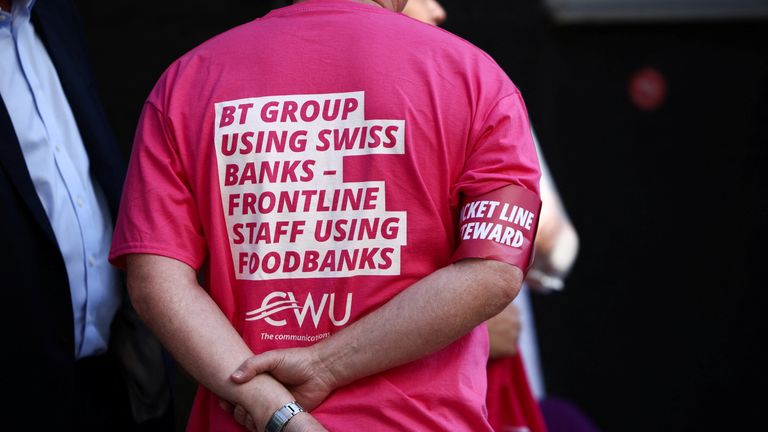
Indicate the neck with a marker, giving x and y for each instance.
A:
(394, 5)
(5, 5)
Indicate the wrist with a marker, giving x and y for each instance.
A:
(325, 368)
(279, 420)
(303, 422)
(257, 404)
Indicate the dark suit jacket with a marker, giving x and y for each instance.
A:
(37, 323)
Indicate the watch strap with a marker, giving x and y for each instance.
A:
(281, 417)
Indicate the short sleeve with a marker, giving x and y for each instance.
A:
(501, 151)
(158, 213)
(498, 189)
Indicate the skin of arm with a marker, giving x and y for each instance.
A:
(167, 296)
(433, 312)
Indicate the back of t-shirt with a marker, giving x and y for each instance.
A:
(314, 162)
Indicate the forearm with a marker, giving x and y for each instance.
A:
(191, 326)
(424, 318)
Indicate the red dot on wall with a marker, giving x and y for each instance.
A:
(647, 89)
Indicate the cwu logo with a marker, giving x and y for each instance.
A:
(274, 306)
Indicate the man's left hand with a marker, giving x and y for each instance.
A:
(299, 369)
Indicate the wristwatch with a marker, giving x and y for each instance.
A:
(282, 416)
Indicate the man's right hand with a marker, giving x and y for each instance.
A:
(504, 332)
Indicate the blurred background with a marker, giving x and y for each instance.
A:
(653, 117)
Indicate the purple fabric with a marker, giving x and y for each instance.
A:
(563, 416)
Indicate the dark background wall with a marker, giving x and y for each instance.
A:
(660, 325)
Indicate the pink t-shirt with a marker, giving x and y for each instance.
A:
(315, 163)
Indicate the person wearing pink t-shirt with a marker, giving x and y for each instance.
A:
(320, 214)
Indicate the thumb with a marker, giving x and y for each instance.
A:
(253, 366)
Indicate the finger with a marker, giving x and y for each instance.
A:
(255, 365)
(226, 406)
(240, 415)
(249, 424)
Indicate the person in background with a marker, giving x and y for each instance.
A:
(516, 391)
(428, 11)
(75, 356)
(515, 376)
(557, 246)
(318, 168)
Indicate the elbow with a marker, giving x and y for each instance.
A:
(511, 283)
(138, 282)
(503, 282)
(564, 253)
(137, 295)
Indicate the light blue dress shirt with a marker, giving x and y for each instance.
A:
(60, 170)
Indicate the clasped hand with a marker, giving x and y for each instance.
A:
(300, 370)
